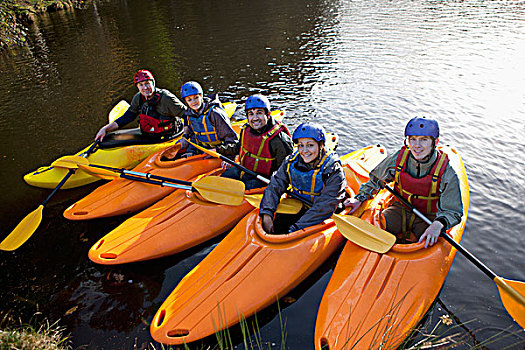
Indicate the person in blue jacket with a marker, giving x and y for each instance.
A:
(313, 172)
(206, 123)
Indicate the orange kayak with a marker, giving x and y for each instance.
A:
(248, 271)
(169, 226)
(122, 196)
(375, 300)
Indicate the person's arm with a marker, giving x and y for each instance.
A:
(175, 107)
(229, 149)
(281, 146)
(131, 114)
(384, 171)
(450, 204)
(104, 130)
(221, 122)
(272, 194)
(450, 207)
(126, 118)
(326, 203)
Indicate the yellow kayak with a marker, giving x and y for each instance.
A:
(122, 149)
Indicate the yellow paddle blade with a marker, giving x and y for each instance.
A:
(286, 205)
(220, 190)
(364, 234)
(99, 172)
(70, 162)
(512, 295)
(23, 230)
(118, 111)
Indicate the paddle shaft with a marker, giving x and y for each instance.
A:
(155, 182)
(445, 235)
(145, 175)
(251, 172)
(70, 173)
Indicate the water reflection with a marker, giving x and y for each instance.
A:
(360, 68)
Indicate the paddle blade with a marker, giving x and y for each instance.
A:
(286, 205)
(364, 234)
(512, 295)
(70, 162)
(23, 230)
(117, 111)
(220, 190)
(98, 172)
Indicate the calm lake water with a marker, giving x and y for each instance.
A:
(361, 68)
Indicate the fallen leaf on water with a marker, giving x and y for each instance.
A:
(70, 311)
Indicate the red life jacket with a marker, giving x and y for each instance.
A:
(151, 121)
(255, 149)
(423, 193)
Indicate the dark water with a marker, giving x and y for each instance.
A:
(360, 68)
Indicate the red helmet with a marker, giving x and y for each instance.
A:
(143, 75)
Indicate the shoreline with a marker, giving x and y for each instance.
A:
(17, 15)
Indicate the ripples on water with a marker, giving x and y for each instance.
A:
(360, 68)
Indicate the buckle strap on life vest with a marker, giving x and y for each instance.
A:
(265, 137)
(434, 180)
(311, 192)
(207, 137)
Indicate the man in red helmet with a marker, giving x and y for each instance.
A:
(423, 175)
(156, 108)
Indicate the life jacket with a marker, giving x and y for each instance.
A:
(204, 131)
(423, 193)
(308, 184)
(255, 149)
(152, 122)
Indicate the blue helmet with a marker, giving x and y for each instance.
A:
(309, 130)
(257, 101)
(190, 88)
(421, 126)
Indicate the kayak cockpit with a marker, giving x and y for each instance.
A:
(130, 137)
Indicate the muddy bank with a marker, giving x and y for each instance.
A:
(17, 15)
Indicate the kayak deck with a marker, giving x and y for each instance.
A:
(375, 300)
(247, 271)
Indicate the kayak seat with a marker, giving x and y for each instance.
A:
(129, 137)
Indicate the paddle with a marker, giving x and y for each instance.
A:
(118, 111)
(30, 223)
(212, 188)
(354, 229)
(286, 206)
(512, 293)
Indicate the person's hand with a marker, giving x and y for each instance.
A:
(293, 228)
(225, 165)
(267, 223)
(183, 143)
(431, 234)
(101, 133)
(187, 155)
(353, 204)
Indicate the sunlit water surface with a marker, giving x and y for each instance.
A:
(361, 68)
